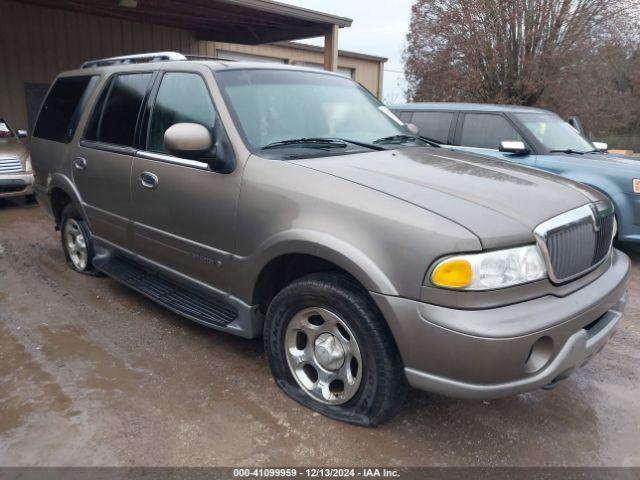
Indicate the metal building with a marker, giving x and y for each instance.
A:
(40, 38)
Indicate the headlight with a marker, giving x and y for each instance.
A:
(27, 165)
(636, 185)
(490, 270)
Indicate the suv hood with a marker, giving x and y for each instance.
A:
(12, 147)
(501, 203)
(604, 160)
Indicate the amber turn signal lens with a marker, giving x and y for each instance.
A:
(453, 274)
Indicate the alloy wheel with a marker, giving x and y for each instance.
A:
(323, 356)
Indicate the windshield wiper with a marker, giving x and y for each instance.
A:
(316, 142)
(322, 143)
(400, 139)
(567, 150)
(430, 141)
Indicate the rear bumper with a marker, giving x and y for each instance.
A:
(499, 355)
(16, 185)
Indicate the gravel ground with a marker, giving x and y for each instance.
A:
(92, 373)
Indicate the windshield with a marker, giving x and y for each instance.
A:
(554, 133)
(5, 131)
(272, 106)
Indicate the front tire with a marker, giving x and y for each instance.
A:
(330, 349)
(77, 243)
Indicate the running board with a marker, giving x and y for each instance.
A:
(181, 300)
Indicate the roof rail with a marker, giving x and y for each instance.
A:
(206, 57)
(138, 58)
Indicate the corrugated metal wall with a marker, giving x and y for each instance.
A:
(37, 43)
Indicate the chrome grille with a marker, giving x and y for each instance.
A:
(604, 237)
(576, 241)
(10, 165)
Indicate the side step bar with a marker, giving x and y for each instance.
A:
(181, 300)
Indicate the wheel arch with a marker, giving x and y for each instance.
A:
(62, 191)
(283, 260)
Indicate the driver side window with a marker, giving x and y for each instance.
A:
(486, 130)
(182, 98)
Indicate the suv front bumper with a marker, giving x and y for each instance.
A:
(499, 355)
(15, 185)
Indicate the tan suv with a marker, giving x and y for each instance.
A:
(16, 177)
(289, 202)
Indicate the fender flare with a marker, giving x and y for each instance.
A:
(64, 183)
(348, 257)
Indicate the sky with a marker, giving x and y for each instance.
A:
(379, 28)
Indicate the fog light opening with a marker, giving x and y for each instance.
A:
(539, 355)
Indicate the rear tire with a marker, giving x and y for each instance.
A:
(330, 349)
(77, 242)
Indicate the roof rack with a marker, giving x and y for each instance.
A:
(206, 57)
(138, 58)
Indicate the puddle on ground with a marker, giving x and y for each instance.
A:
(24, 386)
(102, 370)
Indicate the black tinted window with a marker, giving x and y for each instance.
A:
(115, 116)
(483, 130)
(182, 98)
(60, 113)
(433, 125)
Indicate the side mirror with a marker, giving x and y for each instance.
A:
(413, 128)
(23, 134)
(515, 147)
(601, 146)
(189, 140)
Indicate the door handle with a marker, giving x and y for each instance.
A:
(80, 163)
(149, 180)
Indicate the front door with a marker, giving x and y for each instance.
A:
(183, 211)
(482, 133)
(101, 164)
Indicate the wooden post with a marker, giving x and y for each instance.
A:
(331, 49)
(380, 80)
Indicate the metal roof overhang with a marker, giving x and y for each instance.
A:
(248, 22)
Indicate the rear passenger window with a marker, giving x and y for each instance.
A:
(482, 130)
(433, 125)
(61, 110)
(116, 114)
(182, 98)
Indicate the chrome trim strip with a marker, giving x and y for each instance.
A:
(160, 157)
(576, 216)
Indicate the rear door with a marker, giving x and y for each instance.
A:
(183, 210)
(103, 160)
(57, 122)
(482, 133)
(438, 126)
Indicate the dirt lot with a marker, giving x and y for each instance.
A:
(92, 373)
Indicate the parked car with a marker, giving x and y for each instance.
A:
(536, 138)
(16, 177)
(289, 202)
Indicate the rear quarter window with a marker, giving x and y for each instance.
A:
(61, 110)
